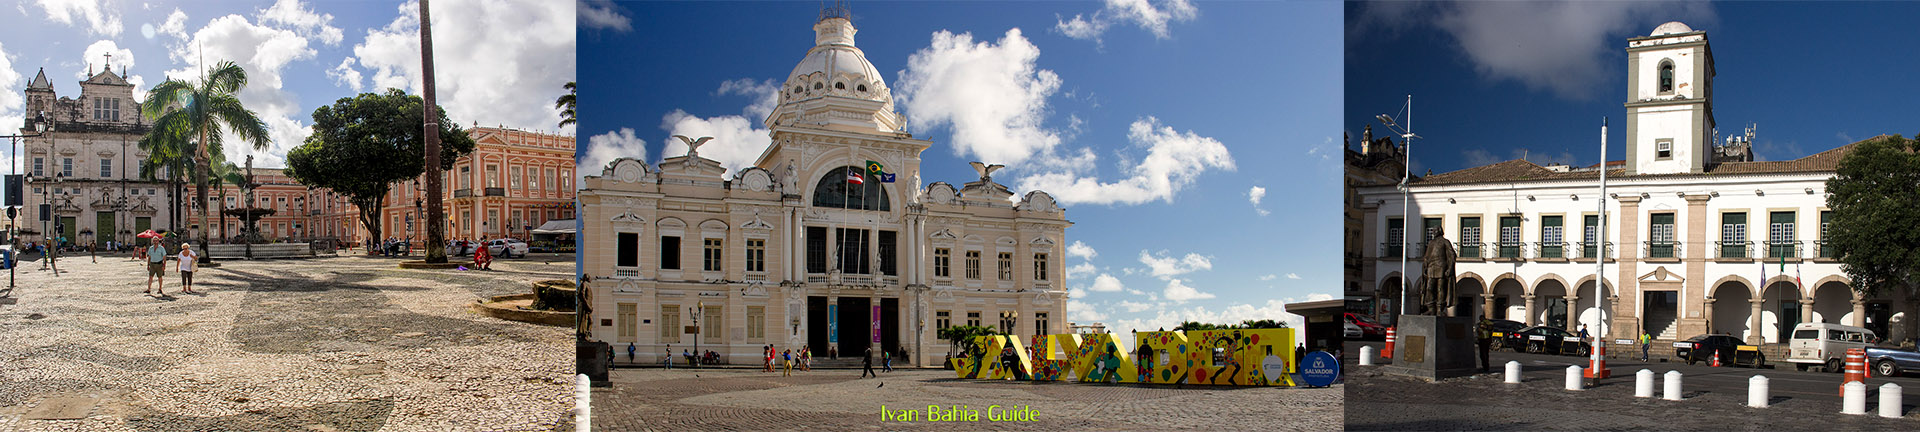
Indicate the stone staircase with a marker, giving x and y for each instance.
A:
(1662, 326)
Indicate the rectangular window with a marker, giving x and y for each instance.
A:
(1040, 266)
(670, 323)
(493, 176)
(1429, 227)
(1006, 266)
(711, 325)
(1396, 233)
(1780, 233)
(1660, 243)
(1470, 236)
(1663, 149)
(627, 320)
(973, 319)
(942, 257)
(106, 168)
(756, 255)
(1040, 323)
(853, 251)
(39, 166)
(1551, 240)
(888, 251)
(1733, 235)
(1509, 236)
(66, 167)
(669, 253)
(711, 257)
(816, 249)
(1007, 320)
(973, 265)
(514, 182)
(756, 322)
(1826, 218)
(942, 320)
(466, 177)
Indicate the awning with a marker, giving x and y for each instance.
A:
(565, 226)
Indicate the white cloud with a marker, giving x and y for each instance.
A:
(102, 21)
(991, 94)
(1078, 249)
(265, 53)
(1083, 312)
(1294, 276)
(1179, 292)
(1080, 270)
(289, 14)
(606, 147)
(1268, 277)
(346, 75)
(1167, 318)
(765, 94)
(1077, 292)
(1148, 15)
(736, 140)
(13, 104)
(603, 14)
(1133, 307)
(1106, 283)
(483, 73)
(176, 25)
(1166, 266)
(94, 59)
(1254, 195)
(1174, 161)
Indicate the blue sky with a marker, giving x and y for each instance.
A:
(1493, 81)
(1152, 126)
(302, 55)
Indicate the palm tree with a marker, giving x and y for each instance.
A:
(169, 154)
(565, 103)
(186, 110)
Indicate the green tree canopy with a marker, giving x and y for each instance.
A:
(962, 336)
(182, 111)
(1875, 227)
(565, 104)
(362, 145)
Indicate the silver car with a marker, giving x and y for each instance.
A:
(506, 248)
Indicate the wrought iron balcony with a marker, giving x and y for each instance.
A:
(1783, 249)
(494, 192)
(1391, 250)
(1511, 249)
(1591, 250)
(1546, 250)
(1734, 249)
(462, 193)
(1823, 250)
(1662, 249)
(1471, 250)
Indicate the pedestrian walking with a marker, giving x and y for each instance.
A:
(769, 355)
(1485, 333)
(833, 352)
(806, 359)
(156, 268)
(786, 358)
(1646, 344)
(188, 260)
(669, 356)
(92, 254)
(887, 359)
(630, 351)
(1583, 333)
(866, 361)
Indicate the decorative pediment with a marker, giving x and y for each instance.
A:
(1660, 274)
(1006, 241)
(942, 193)
(754, 179)
(755, 290)
(628, 170)
(1038, 201)
(943, 294)
(942, 235)
(627, 216)
(1042, 298)
(757, 224)
(1040, 242)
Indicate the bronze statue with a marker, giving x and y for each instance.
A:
(1436, 277)
(583, 313)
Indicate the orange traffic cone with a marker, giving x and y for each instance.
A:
(1716, 359)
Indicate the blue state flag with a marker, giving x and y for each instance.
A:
(886, 178)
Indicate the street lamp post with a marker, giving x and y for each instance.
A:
(41, 125)
(1406, 191)
(694, 313)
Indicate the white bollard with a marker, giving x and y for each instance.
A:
(1890, 400)
(1366, 355)
(1573, 378)
(1513, 372)
(1643, 384)
(582, 404)
(1673, 385)
(1757, 391)
(1854, 400)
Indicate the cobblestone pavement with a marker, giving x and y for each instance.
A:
(736, 399)
(1378, 402)
(329, 344)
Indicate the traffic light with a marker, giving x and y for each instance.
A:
(14, 186)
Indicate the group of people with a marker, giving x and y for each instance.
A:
(393, 246)
(772, 358)
(788, 359)
(155, 256)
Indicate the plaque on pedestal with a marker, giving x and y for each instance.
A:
(1434, 347)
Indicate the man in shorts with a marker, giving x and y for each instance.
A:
(156, 267)
(188, 259)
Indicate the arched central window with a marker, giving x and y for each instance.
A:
(836, 190)
(1666, 76)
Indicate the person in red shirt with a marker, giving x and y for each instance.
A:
(482, 259)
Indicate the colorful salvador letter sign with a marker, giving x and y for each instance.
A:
(1246, 357)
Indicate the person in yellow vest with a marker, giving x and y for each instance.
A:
(1646, 344)
(1485, 333)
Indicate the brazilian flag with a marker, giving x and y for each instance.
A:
(874, 168)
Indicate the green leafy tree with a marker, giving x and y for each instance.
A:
(1875, 227)
(361, 146)
(565, 104)
(170, 158)
(180, 110)
(961, 337)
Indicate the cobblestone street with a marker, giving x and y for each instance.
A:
(747, 399)
(328, 344)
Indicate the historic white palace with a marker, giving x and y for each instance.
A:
(1696, 231)
(809, 247)
(84, 174)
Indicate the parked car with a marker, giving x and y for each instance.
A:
(1890, 362)
(1369, 329)
(1501, 328)
(1825, 345)
(1732, 351)
(1353, 332)
(507, 248)
(1544, 339)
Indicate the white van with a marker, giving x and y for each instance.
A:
(1825, 345)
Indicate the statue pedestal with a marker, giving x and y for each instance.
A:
(1434, 347)
(591, 359)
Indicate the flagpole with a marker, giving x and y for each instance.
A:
(1600, 262)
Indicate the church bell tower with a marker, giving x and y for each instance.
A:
(1669, 101)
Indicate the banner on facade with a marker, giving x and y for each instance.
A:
(874, 328)
(833, 323)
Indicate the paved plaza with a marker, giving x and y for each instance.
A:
(324, 344)
(747, 399)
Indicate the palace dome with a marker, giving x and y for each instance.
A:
(835, 67)
(1671, 27)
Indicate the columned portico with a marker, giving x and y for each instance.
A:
(1753, 322)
